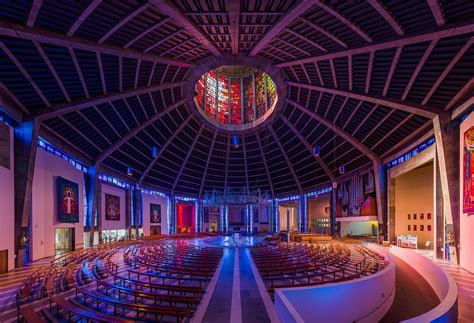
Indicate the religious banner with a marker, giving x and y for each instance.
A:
(112, 207)
(68, 204)
(155, 213)
(468, 171)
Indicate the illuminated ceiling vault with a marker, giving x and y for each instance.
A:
(110, 80)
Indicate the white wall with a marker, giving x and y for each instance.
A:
(44, 203)
(7, 204)
(466, 221)
(323, 303)
(148, 199)
(107, 224)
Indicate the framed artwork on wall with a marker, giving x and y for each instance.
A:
(68, 200)
(468, 172)
(112, 207)
(155, 213)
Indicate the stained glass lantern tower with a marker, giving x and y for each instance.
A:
(235, 97)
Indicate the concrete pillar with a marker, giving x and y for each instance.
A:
(98, 215)
(137, 209)
(438, 216)
(447, 153)
(25, 146)
(91, 182)
(380, 192)
(332, 208)
(128, 211)
(391, 209)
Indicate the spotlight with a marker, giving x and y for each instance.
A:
(235, 141)
(138, 187)
(342, 170)
(316, 151)
(154, 152)
(334, 184)
(129, 171)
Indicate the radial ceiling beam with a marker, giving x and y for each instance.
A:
(168, 9)
(146, 32)
(448, 69)
(163, 148)
(84, 15)
(424, 111)
(346, 136)
(52, 70)
(125, 20)
(284, 21)
(309, 41)
(133, 132)
(386, 15)
(323, 31)
(32, 34)
(436, 11)
(234, 24)
(207, 163)
(408, 40)
(25, 73)
(344, 20)
(309, 148)
(83, 104)
(269, 178)
(190, 150)
(290, 166)
(35, 8)
(10, 102)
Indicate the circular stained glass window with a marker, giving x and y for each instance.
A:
(235, 97)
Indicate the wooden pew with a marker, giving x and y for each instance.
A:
(72, 310)
(141, 310)
(28, 314)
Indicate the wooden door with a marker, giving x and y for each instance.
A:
(3, 261)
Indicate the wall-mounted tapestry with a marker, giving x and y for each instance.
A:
(468, 171)
(155, 213)
(112, 207)
(68, 200)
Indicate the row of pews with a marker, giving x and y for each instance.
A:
(160, 279)
(306, 264)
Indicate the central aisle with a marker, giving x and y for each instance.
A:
(236, 297)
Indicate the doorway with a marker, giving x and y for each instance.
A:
(155, 230)
(64, 241)
(3, 261)
(288, 214)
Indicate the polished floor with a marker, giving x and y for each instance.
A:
(413, 295)
(237, 294)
